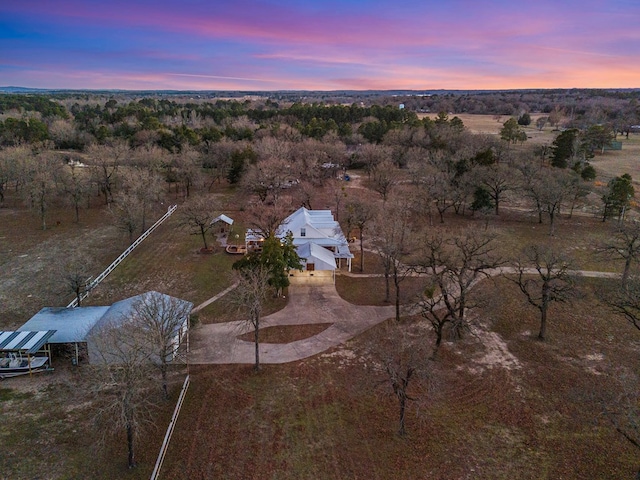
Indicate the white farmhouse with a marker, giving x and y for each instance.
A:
(319, 239)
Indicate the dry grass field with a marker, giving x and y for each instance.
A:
(497, 405)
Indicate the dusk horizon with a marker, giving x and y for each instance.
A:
(280, 45)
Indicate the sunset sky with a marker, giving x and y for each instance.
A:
(319, 44)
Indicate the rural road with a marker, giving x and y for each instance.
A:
(218, 343)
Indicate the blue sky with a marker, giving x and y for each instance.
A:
(319, 45)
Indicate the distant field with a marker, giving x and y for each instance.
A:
(609, 165)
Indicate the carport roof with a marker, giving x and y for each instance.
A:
(71, 324)
(24, 341)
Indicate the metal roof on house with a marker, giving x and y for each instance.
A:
(24, 341)
(319, 227)
(322, 258)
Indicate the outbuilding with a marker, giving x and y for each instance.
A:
(75, 326)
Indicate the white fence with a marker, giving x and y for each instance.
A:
(122, 256)
(172, 424)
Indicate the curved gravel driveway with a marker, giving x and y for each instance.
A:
(218, 343)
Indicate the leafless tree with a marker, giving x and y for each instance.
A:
(249, 296)
(42, 172)
(196, 215)
(122, 378)
(105, 161)
(359, 215)
(543, 276)
(624, 300)
(532, 185)
(13, 161)
(554, 192)
(440, 190)
(498, 180)
(384, 178)
(624, 243)
(265, 219)
(147, 186)
(127, 212)
(268, 179)
(338, 193)
(164, 321)
(454, 263)
(75, 274)
(371, 155)
(399, 359)
(218, 159)
(392, 240)
(75, 186)
(186, 167)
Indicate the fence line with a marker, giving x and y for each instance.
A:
(167, 436)
(122, 256)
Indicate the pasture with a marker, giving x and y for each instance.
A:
(497, 405)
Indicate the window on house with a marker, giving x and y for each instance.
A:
(303, 232)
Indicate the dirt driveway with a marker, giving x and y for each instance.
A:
(218, 343)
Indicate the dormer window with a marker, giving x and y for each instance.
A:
(303, 232)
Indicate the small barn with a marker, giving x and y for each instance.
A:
(75, 326)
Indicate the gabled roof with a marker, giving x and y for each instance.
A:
(322, 258)
(320, 228)
(73, 325)
(222, 218)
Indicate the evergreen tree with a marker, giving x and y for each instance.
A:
(278, 257)
(564, 148)
(618, 196)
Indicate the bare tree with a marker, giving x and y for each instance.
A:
(532, 185)
(249, 296)
(371, 155)
(196, 215)
(400, 359)
(147, 186)
(75, 274)
(75, 186)
(268, 179)
(163, 321)
(543, 277)
(442, 193)
(42, 171)
(498, 180)
(555, 188)
(621, 408)
(122, 378)
(13, 161)
(454, 263)
(359, 215)
(186, 167)
(392, 240)
(624, 244)
(265, 219)
(624, 300)
(106, 159)
(128, 214)
(338, 192)
(384, 178)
